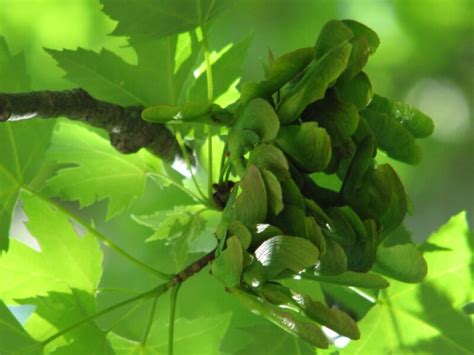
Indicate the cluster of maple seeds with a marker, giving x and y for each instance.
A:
(316, 113)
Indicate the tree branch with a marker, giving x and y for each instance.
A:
(154, 292)
(194, 268)
(127, 131)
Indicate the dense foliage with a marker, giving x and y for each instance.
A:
(253, 196)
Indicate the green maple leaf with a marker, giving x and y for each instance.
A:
(163, 17)
(14, 339)
(13, 74)
(196, 336)
(187, 229)
(124, 346)
(22, 144)
(263, 339)
(427, 316)
(107, 76)
(65, 259)
(78, 304)
(99, 172)
(192, 336)
(226, 70)
(171, 224)
(157, 77)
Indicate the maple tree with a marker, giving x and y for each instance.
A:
(250, 212)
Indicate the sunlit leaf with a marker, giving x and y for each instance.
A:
(78, 304)
(124, 346)
(200, 335)
(226, 69)
(15, 339)
(170, 224)
(66, 260)
(13, 74)
(108, 77)
(243, 341)
(427, 316)
(161, 18)
(22, 144)
(99, 172)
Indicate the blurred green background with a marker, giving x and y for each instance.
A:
(426, 58)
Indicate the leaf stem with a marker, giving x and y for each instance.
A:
(182, 188)
(179, 138)
(210, 178)
(106, 241)
(393, 318)
(207, 59)
(150, 320)
(174, 297)
(123, 317)
(223, 164)
(210, 98)
(157, 291)
(228, 172)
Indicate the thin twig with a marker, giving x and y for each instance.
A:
(157, 291)
(150, 320)
(174, 298)
(100, 236)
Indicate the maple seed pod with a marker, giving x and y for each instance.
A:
(276, 294)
